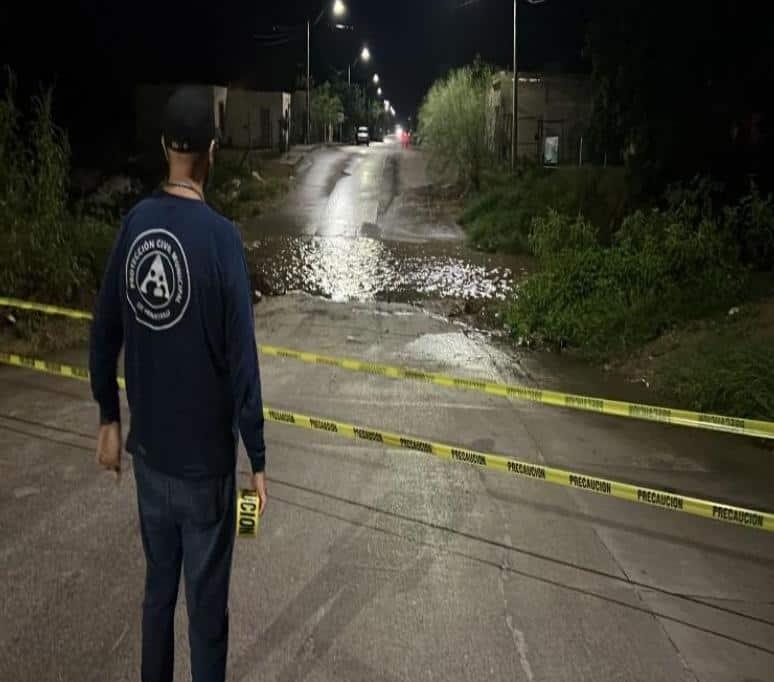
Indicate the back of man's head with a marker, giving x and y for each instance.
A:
(188, 125)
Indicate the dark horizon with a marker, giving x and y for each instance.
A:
(94, 55)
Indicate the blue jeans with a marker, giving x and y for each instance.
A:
(188, 523)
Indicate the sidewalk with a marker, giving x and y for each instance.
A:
(297, 153)
(412, 169)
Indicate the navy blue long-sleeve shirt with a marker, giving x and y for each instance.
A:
(176, 295)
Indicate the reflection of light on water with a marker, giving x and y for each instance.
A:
(344, 269)
(362, 269)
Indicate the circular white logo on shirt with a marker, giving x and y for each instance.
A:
(158, 284)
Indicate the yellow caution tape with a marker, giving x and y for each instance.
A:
(663, 499)
(44, 308)
(619, 408)
(755, 428)
(56, 368)
(248, 518)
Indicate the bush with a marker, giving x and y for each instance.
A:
(661, 270)
(749, 221)
(752, 222)
(46, 251)
(453, 123)
(555, 232)
(582, 301)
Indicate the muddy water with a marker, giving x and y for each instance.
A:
(368, 269)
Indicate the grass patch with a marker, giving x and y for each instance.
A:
(246, 189)
(722, 364)
(500, 217)
(34, 333)
(722, 374)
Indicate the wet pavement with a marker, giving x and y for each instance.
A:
(367, 269)
(376, 564)
(360, 225)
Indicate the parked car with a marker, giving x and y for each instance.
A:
(363, 136)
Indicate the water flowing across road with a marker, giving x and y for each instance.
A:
(360, 225)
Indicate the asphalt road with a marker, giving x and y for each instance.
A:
(381, 565)
(357, 226)
(336, 193)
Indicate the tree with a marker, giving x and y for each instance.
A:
(326, 107)
(356, 105)
(675, 87)
(453, 122)
(377, 117)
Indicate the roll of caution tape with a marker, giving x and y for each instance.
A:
(248, 516)
(755, 428)
(630, 492)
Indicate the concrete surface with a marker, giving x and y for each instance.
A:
(382, 565)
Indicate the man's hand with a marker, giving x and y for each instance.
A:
(109, 447)
(259, 486)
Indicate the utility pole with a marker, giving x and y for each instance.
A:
(515, 121)
(308, 80)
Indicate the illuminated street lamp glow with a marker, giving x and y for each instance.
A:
(379, 92)
(392, 111)
(365, 54)
(386, 105)
(376, 79)
(339, 8)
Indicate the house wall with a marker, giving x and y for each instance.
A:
(253, 119)
(298, 122)
(220, 100)
(551, 105)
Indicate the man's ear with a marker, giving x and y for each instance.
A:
(164, 147)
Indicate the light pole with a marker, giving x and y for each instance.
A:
(339, 10)
(515, 122)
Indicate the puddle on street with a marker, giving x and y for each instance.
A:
(366, 269)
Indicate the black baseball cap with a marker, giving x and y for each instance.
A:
(189, 119)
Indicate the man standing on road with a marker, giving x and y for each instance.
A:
(176, 294)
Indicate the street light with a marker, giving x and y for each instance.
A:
(364, 56)
(386, 105)
(392, 111)
(339, 9)
(379, 91)
(376, 79)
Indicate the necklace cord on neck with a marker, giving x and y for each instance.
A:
(185, 185)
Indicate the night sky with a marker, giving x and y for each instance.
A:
(96, 51)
